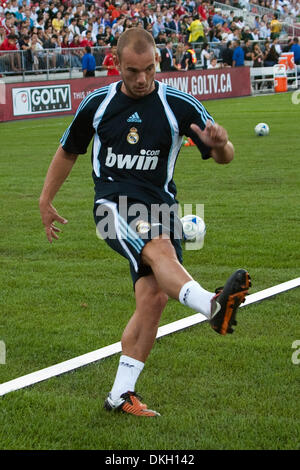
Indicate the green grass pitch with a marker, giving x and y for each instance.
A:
(62, 300)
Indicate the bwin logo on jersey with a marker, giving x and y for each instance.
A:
(147, 160)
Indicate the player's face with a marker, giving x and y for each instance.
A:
(138, 72)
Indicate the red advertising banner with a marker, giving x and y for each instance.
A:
(58, 97)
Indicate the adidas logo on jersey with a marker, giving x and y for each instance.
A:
(147, 160)
(134, 118)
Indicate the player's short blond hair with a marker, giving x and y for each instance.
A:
(137, 38)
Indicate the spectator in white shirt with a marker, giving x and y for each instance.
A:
(33, 14)
(214, 64)
(117, 27)
(13, 6)
(277, 46)
(240, 23)
(73, 27)
(264, 31)
(255, 34)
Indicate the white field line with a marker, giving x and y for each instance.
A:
(97, 355)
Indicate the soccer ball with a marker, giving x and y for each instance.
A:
(262, 129)
(193, 230)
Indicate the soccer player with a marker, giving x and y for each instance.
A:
(109, 62)
(137, 125)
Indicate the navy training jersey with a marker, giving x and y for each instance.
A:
(136, 141)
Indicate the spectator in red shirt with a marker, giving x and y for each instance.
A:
(13, 59)
(87, 41)
(2, 34)
(76, 53)
(124, 9)
(10, 43)
(116, 12)
(202, 10)
(109, 62)
(179, 9)
(8, 22)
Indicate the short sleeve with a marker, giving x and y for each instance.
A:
(188, 110)
(79, 134)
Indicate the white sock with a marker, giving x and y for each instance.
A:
(195, 297)
(127, 374)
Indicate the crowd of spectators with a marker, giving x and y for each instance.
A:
(65, 28)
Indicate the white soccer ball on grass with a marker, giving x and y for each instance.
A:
(262, 129)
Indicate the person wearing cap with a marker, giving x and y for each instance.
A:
(217, 17)
(246, 34)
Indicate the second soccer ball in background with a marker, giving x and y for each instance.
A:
(262, 129)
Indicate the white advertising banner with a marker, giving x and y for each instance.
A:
(41, 99)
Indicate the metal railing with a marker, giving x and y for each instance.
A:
(250, 11)
(263, 79)
(254, 8)
(24, 64)
(46, 61)
(247, 16)
(53, 64)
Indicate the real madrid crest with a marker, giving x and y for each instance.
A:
(133, 136)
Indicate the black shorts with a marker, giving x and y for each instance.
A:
(127, 226)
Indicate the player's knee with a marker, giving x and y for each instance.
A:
(156, 301)
(155, 308)
(159, 301)
(153, 300)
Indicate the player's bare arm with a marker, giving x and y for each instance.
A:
(216, 137)
(58, 171)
